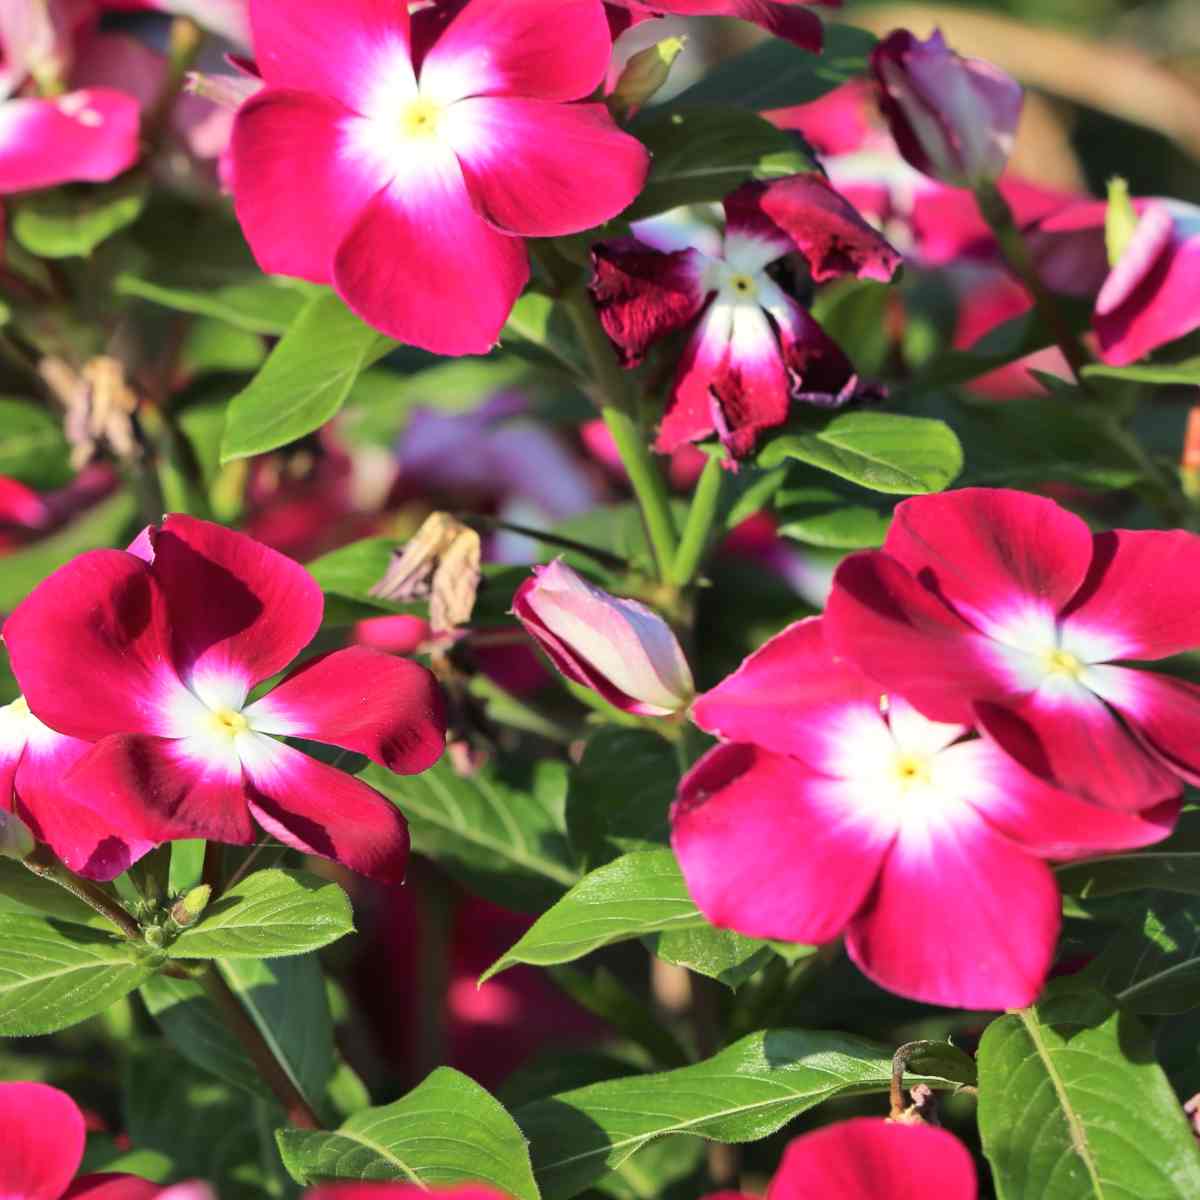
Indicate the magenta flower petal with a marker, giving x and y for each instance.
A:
(747, 820)
(400, 266)
(335, 47)
(542, 169)
(542, 49)
(90, 647)
(323, 811)
(1150, 238)
(951, 885)
(783, 18)
(239, 610)
(363, 700)
(20, 505)
(106, 1186)
(299, 190)
(43, 1141)
(867, 1157)
(89, 135)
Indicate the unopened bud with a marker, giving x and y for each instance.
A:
(643, 75)
(188, 907)
(229, 91)
(16, 838)
(155, 936)
(1120, 220)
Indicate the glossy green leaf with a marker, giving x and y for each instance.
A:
(263, 305)
(53, 975)
(746, 1092)
(1172, 865)
(71, 222)
(885, 452)
(266, 915)
(637, 894)
(1072, 1105)
(721, 954)
(503, 840)
(1186, 372)
(32, 446)
(305, 380)
(448, 1130)
(539, 321)
(26, 894)
(827, 517)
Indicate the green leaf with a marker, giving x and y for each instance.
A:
(71, 222)
(1186, 372)
(305, 380)
(537, 320)
(213, 347)
(1172, 865)
(266, 915)
(27, 894)
(886, 452)
(720, 954)
(503, 841)
(32, 446)
(1072, 1105)
(53, 975)
(746, 1092)
(776, 74)
(255, 305)
(619, 794)
(701, 155)
(825, 516)
(638, 894)
(447, 1130)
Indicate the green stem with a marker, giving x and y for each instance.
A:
(43, 863)
(617, 407)
(700, 519)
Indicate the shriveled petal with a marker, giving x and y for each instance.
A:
(89, 135)
(422, 266)
(44, 1137)
(1164, 712)
(902, 636)
(90, 647)
(1045, 820)
(345, 50)
(239, 610)
(818, 371)
(1068, 736)
(869, 1157)
(770, 848)
(298, 187)
(363, 700)
(791, 696)
(542, 169)
(959, 884)
(164, 789)
(642, 294)
(1141, 596)
(804, 213)
(1007, 561)
(323, 811)
(541, 49)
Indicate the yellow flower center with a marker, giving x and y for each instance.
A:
(912, 770)
(1061, 662)
(742, 284)
(229, 722)
(420, 118)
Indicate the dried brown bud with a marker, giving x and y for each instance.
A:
(98, 406)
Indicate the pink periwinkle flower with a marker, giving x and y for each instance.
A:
(752, 349)
(43, 1142)
(403, 160)
(832, 809)
(151, 654)
(1001, 608)
(783, 18)
(953, 118)
(620, 648)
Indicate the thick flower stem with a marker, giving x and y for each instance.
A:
(617, 408)
(700, 520)
(297, 1109)
(42, 862)
(999, 217)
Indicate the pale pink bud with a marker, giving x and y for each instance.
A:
(952, 118)
(617, 647)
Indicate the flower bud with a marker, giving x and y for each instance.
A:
(617, 647)
(187, 908)
(643, 75)
(952, 118)
(16, 838)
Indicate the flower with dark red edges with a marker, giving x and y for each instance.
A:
(953, 118)
(752, 349)
(832, 809)
(999, 607)
(404, 160)
(44, 1137)
(152, 654)
(784, 18)
(867, 1157)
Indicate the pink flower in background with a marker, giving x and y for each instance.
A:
(228, 18)
(832, 809)
(783, 18)
(405, 169)
(152, 654)
(953, 118)
(21, 506)
(1002, 608)
(752, 349)
(619, 648)
(867, 1158)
